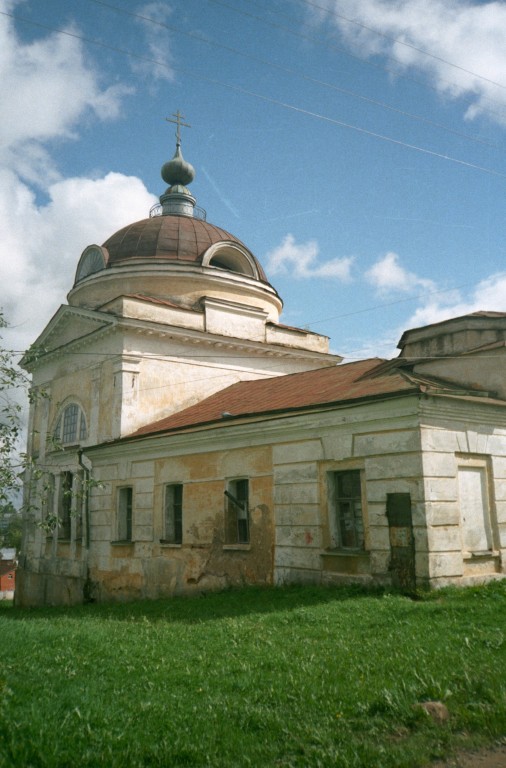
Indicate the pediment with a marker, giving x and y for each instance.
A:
(68, 325)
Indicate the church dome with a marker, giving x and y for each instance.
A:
(182, 239)
(175, 254)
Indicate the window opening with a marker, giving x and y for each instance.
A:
(70, 417)
(48, 498)
(125, 514)
(349, 525)
(65, 505)
(173, 528)
(237, 512)
(232, 258)
(71, 425)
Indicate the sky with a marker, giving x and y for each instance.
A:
(357, 147)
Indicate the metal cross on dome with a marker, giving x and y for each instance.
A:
(179, 122)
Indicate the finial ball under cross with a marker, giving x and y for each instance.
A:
(178, 171)
(179, 122)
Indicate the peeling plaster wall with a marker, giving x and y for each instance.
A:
(150, 568)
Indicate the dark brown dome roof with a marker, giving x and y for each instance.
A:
(172, 238)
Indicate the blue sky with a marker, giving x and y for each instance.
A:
(356, 147)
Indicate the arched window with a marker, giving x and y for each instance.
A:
(71, 425)
(92, 260)
(232, 257)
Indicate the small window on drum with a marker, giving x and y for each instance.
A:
(92, 260)
(233, 259)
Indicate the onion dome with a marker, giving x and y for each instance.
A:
(178, 171)
(177, 199)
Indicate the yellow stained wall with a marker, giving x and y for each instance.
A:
(203, 561)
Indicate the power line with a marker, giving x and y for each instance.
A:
(294, 72)
(403, 43)
(348, 53)
(268, 99)
(359, 129)
(307, 325)
(192, 359)
(390, 304)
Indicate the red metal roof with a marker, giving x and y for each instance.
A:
(341, 383)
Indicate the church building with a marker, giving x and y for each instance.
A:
(184, 439)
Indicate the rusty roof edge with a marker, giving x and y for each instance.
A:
(281, 414)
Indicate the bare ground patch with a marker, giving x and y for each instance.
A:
(483, 758)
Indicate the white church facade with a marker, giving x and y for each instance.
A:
(186, 440)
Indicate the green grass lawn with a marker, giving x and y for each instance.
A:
(301, 676)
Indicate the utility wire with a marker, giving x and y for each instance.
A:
(357, 128)
(290, 71)
(268, 99)
(389, 304)
(404, 43)
(346, 52)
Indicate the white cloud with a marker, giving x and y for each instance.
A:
(47, 87)
(437, 305)
(388, 276)
(41, 245)
(157, 40)
(471, 36)
(489, 295)
(300, 260)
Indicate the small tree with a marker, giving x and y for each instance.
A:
(11, 527)
(16, 466)
(12, 459)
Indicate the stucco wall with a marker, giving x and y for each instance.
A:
(148, 567)
(471, 436)
(380, 440)
(407, 445)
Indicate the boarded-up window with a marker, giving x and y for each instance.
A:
(173, 532)
(474, 509)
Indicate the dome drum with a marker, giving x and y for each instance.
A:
(182, 284)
